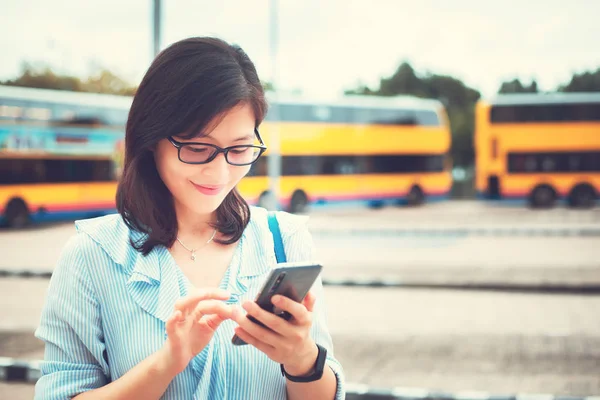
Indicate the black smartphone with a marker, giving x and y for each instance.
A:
(292, 280)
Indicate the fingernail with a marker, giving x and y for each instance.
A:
(276, 299)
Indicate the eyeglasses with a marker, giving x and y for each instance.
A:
(203, 153)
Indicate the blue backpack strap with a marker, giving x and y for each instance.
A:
(277, 241)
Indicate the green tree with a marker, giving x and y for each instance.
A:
(107, 82)
(268, 86)
(403, 81)
(515, 86)
(584, 82)
(43, 77)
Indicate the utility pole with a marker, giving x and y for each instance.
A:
(274, 158)
(156, 32)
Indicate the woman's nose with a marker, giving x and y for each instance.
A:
(217, 167)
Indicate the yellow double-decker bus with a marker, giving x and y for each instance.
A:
(541, 148)
(60, 153)
(356, 149)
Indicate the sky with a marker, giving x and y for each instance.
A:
(323, 46)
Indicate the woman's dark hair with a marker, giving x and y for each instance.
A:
(188, 85)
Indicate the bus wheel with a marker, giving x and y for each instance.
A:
(415, 197)
(542, 196)
(17, 213)
(299, 202)
(582, 196)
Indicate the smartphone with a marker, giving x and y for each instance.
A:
(292, 280)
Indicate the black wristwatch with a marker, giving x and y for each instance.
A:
(318, 368)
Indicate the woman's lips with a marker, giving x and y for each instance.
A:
(209, 190)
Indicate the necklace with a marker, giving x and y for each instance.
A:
(193, 251)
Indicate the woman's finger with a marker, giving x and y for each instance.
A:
(298, 310)
(211, 307)
(309, 301)
(200, 295)
(212, 321)
(251, 340)
(172, 322)
(272, 321)
(260, 333)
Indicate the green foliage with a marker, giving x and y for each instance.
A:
(515, 86)
(43, 77)
(268, 86)
(584, 82)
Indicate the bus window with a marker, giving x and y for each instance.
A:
(545, 113)
(407, 164)
(301, 165)
(38, 113)
(554, 162)
(10, 112)
(394, 117)
(259, 168)
(21, 171)
(342, 115)
(292, 112)
(64, 112)
(345, 165)
(362, 116)
(29, 171)
(591, 162)
(427, 118)
(322, 113)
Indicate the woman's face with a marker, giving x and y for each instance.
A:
(201, 188)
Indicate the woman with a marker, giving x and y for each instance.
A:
(125, 316)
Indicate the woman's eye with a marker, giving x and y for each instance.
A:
(239, 151)
(197, 149)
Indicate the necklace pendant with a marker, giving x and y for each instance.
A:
(193, 256)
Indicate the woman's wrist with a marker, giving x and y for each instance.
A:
(304, 365)
(165, 364)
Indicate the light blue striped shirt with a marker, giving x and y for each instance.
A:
(106, 309)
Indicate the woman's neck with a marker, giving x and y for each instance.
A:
(191, 225)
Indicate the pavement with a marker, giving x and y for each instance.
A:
(375, 252)
(451, 215)
(446, 340)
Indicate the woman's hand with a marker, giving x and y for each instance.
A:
(287, 342)
(192, 325)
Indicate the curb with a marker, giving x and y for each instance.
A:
(13, 370)
(462, 232)
(364, 392)
(554, 288)
(22, 273)
(551, 288)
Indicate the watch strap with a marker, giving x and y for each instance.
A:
(318, 368)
